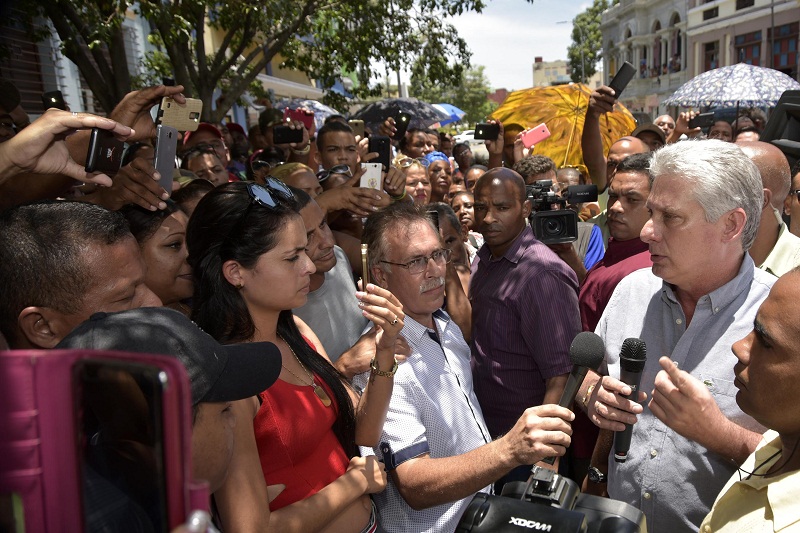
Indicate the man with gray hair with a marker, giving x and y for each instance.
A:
(435, 443)
(700, 296)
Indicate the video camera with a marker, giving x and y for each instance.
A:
(549, 502)
(560, 225)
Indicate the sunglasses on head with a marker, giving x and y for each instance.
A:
(408, 161)
(323, 175)
(265, 196)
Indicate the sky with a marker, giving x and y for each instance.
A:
(509, 34)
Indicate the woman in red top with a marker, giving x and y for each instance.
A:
(247, 251)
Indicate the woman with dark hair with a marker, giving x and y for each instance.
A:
(247, 251)
(161, 236)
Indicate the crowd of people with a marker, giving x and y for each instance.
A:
(408, 344)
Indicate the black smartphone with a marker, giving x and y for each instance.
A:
(105, 152)
(164, 160)
(383, 146)
(703, 120)
(364, 267)
(118, 411)
(286, 135)
(401, 122)
(487, 131)
(54, 99)
(434, 216)
(621, 79)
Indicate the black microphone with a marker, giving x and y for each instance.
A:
(587, 351)
(632, 358)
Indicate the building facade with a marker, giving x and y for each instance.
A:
(652, 36)
(546, 73)
(758, 32)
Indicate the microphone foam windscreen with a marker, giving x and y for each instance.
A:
(633, 354)
(587, 350)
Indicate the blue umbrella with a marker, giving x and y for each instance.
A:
(455, 113)
(737, 85)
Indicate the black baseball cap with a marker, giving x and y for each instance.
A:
(217, 372)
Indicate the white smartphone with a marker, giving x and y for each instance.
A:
(373, 177)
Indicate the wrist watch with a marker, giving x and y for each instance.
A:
(596, 476)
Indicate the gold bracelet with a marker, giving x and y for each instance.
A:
(399, 197)
(373, 365)
(304, 151)
(585, 400)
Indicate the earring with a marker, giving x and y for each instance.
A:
(239, 286)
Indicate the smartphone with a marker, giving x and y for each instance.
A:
(621, 79)
(401, 122)
(54, 99)
(306, 117)
(364, 267)
(703, 120)
(285, 135)
(382, 145)
(487, 131)
(105, 152)
(114, 401)
(182, 117)
(535, 135)
(358, 127)
(373, 177)
(164, 160)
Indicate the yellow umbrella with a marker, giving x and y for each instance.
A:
(562, 108)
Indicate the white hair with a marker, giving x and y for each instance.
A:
(722, 178)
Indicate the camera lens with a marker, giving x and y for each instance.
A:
(553, 227)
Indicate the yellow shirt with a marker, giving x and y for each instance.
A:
(758, 504)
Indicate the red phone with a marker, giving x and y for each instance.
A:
(535, 135)
(306, 117)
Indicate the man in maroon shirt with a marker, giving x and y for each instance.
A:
(626, 252)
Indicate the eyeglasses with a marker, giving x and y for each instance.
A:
(260, 164)
(419, 264)
(262, 195)
(322, 175)
(408, 161)
(198, 149)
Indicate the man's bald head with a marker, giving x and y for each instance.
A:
(629, 145)
(502, 175)
(773, 167)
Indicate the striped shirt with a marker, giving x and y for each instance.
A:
(524, 317)
(432, 410)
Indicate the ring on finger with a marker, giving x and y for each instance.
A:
(393, 322)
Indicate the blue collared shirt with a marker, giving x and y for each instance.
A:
(433, 410)
(673, 480)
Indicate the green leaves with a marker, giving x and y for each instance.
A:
(587, 38)
(207, 45)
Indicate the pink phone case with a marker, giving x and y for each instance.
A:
(535, 135)
(38, 444)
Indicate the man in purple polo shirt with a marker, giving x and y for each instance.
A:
(524, 308)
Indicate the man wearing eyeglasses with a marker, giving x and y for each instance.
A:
(775, 249)
(435, 444)
(208, 136)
